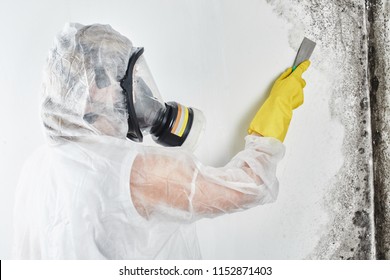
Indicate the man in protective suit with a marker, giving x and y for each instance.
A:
(91, 193)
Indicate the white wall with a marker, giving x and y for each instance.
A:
(218, 56)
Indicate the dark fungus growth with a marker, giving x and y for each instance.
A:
(364, 104)
(361, 219)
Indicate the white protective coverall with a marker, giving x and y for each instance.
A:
(90, 193)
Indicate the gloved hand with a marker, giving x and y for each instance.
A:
(273, 118)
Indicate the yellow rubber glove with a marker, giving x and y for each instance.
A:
(273, 118)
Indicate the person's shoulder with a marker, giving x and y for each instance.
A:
(95, 152)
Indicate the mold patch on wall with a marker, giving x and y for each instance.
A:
(339, 28)
(379, 77)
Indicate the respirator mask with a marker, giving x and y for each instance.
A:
(170, 124)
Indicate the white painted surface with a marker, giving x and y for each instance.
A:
(219, 56)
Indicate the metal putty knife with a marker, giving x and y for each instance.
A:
(304, 52)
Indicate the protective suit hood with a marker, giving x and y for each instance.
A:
(81, 86)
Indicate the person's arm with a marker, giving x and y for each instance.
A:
(173, 184)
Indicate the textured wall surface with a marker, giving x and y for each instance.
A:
(357, 35)
(379, 80)
(339, 28)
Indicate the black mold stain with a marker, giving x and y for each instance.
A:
(361, 219)
(364, 104)
(374, 84)
(377, 42)
(377, 137)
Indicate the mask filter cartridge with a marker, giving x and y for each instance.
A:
(173, 125)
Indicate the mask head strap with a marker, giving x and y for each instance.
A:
(134, 132)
